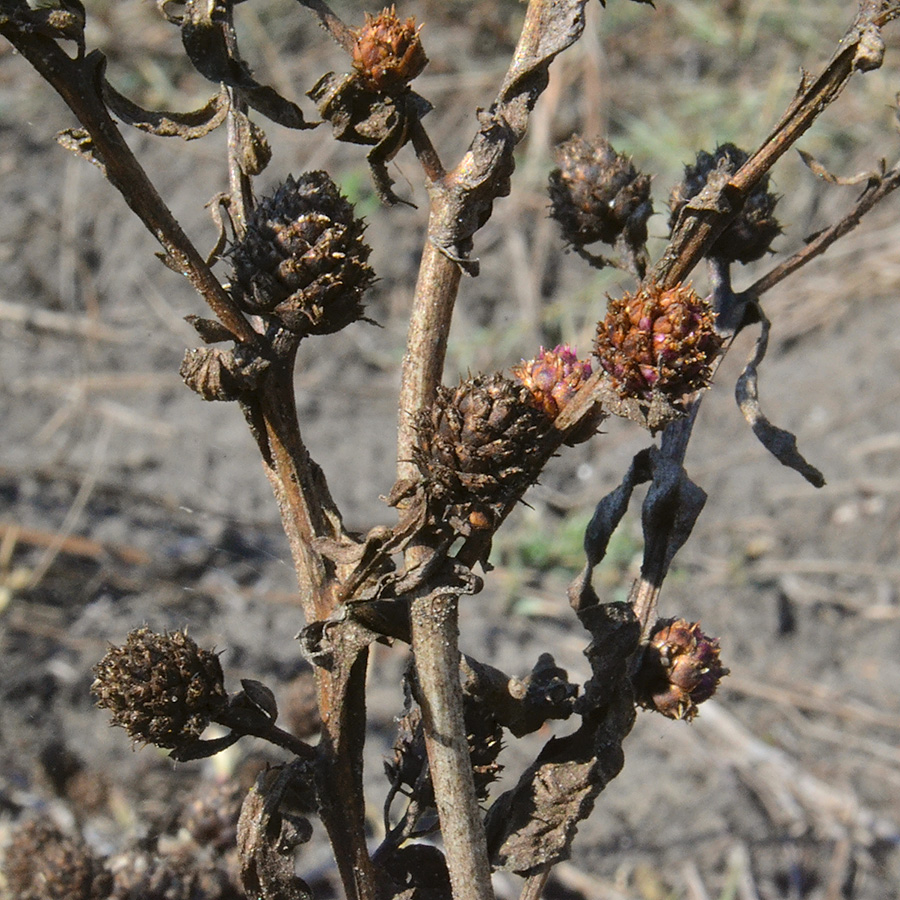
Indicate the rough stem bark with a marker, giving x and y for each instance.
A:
(435, 632)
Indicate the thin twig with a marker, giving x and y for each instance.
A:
(885, 185)
(710, 213)
(69, 544)
(332, 23)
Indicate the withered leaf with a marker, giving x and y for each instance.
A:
(188, 126)
(203, 37)
(266, 840)
(217, 374)
(261, 697)
(359, 116)
(533, 825)
(780, 443)
(79, 142)
(212, 331)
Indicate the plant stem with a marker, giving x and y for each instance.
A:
(426, 347)
(308, 512)
(435, 640)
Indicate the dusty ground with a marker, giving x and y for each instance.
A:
(124, 499)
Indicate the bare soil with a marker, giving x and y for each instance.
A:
(125, 500)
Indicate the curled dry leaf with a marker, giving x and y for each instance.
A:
(778, 441)
(267, 839)
(217, 374)
(204, 40)
(188, 126)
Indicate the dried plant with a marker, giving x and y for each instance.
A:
(466, 453)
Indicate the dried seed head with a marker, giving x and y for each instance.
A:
(598, 195)
(161, 688)
(658, 341)
(42, 863)
(553, 378)
(680, 669)
(478, 448)
(750, 234)
(388, 53)
(303, 259)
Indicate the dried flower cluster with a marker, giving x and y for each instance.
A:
(657, 340)
(303, 260)
(597, 194)
(478, 448)
(161, 688)
(749, 236)
(553, 378)
(388, 53)
(680, 669)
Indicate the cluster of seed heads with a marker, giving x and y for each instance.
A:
(658, 340)
(750, 234)
(597, 194)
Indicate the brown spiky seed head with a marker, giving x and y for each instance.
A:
(477, 447)
(388, 53)
(658, 340)
(303, 259)
(553, 378)
(43, 863)
(161, 688)
(680, 669)
(597, 194)
(749, 236)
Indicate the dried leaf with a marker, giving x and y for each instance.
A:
(255, 152)
(79, 142)
(779, 442)
(63, 20)
(204, 749)
(261, 697)
(521, 705)
(188, 126)
(484, 173)
(212, 331)
(217, 374)
(821, 172)
(671, 508)
(267, 839)
(204, 40)
(359, 116)
(532, 826)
